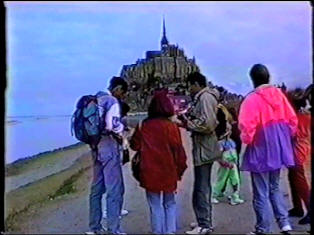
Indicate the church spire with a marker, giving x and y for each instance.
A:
(164, 40)
(164, 27)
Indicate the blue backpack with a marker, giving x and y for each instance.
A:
(86, 122)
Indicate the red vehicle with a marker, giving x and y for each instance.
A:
(180, 103)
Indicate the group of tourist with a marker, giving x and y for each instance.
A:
(272, 137)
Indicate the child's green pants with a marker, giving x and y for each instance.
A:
(224, 176)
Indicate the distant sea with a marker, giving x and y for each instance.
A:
(26, 136)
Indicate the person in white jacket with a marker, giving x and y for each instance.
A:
(107, 163)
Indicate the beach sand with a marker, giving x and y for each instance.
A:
(50, 195)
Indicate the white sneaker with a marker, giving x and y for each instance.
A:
(236, 201)
(199, 230)
(121, 233)
(123, 213)
(193, 225)
(286, 228)
(101, 231)
(214, 200)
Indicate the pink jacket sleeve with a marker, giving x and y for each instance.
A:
(248, 120)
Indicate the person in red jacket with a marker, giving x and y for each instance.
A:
(162, 164)
(302, 149)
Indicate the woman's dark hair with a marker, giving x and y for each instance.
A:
(160, 106)
(118, 81)
(259, 75)
(297, 98)
(308, 91)
(234, 113)
(222, 124)
(197, 77)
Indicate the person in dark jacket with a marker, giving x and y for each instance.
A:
(201, 121)
(162, 164)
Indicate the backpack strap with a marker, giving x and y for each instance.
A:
(212, 93)
(140, 124)
(209, 92)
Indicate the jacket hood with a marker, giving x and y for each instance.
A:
(212, 91)
(102, 93)
(270, 94)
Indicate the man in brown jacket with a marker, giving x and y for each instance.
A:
(202, 121)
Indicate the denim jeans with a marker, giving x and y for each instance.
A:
(202, 195)
(266, 189)
(162, 212)
(107, 179)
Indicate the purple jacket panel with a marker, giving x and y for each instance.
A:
(270, 150)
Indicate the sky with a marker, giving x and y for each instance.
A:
(59, 51)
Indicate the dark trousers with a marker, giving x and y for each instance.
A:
(299, 188)
(202, 195)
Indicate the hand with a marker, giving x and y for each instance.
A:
(182, 117)
(180, 177)
(174, 119)
(182, 123)
(117, 137)
(225, 164)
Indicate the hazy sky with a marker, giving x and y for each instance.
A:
(59, 51)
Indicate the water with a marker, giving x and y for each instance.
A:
(27, 136)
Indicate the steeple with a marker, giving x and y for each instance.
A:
(164, 40)
(164, 27)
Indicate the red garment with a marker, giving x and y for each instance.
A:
(299, 188)
(302, 142)
(163, 159)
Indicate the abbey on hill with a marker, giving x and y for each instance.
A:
(167, 67)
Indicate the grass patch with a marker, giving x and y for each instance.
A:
(12, 221)
(51, 157)
(18, 201)
(68, 186)
(11, 224)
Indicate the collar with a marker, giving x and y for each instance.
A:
(102, 93)
(259, 88)
(263, 86)
(198, 94)
(209, 90)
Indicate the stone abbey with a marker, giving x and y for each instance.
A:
(164, 68)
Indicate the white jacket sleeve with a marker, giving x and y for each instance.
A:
(113, 119)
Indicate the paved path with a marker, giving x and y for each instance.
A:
(69, 214)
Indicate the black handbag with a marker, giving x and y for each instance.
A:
(136, 161)
(135, 164)
(126, 156)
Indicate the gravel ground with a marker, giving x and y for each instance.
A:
(69, 213)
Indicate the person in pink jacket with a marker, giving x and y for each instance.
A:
(267, 123)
